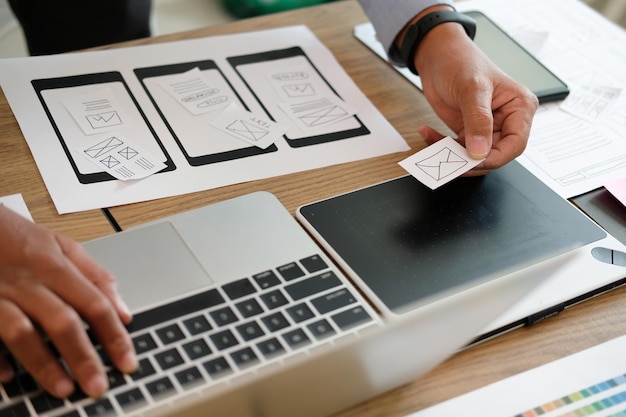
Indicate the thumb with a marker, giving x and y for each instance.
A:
(478, 123)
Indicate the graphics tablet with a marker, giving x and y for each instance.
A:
(404, 242)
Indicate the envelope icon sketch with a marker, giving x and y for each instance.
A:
(299, 90)
(104, 119)
(439, 163)
(442, 164)
(247, 130)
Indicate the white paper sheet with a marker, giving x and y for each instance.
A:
(591, 382)
(16, 203)
(258, 71)
(439, 163)
(571, 152)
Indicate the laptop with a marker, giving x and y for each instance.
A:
(237, 311)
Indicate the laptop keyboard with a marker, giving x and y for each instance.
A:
(210, 338)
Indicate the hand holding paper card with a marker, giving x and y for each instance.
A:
(439, 163)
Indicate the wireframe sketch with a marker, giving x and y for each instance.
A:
(104, 120)
(318, 112)
(442, 164)
(247, 130)
(103, 147)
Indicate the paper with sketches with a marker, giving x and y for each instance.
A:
(292, 83)
(591, 102)
(617, 187)
(317, 112)
(590, 382)
(439, 163)
(251, 128)
(97, 112)
(121, 157)
(198, 156)
(571, 153)
(193, 90)
(16, 203)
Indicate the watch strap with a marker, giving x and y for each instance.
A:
(416, 32)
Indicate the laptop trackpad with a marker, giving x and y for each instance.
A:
(151, 264)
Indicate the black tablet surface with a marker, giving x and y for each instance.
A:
(407, 242)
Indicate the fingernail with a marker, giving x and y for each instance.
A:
(63, 388)
(128, 363)
(478, 147)
(96, 386)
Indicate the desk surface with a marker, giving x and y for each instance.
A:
(579, 327)
(19, 174)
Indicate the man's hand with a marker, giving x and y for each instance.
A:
(490, 112)
(50, 286)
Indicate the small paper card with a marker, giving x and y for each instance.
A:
(195, 92)
(317, 112)
(98, 112)
(439, 163)
(254, 129)
(121, 157)
(16, 203)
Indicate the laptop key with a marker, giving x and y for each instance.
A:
(45, 402)
(77, 395)
(333, 301)
(73, 413)
(300, 312)
(223, 316)
(224, 339)
(144, 343)
(321, 329)
(102, 407)
(250, 330)
(270, 348)
(169, 359)
(15, 410)
(179, 308)
(296, 338)
(266, 279)
(189, 377)
(217, 367)
(244, 357)
(313, 285)
(274, 299)
(144, 369)
(170, 334)
(197, 349)
(22, 383)
(351, 317)
(160, 388)
(197, 325)
(238, 289)
(313, 263)
(116, 378)
(290, 271)
(275, 321)
(132, 398)
(249, 308)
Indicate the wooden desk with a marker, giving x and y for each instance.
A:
(19, 174)
(579, 327)
(333, 24)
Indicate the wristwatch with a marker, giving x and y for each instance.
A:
(416, 32)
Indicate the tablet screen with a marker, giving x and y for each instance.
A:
(407, 242)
